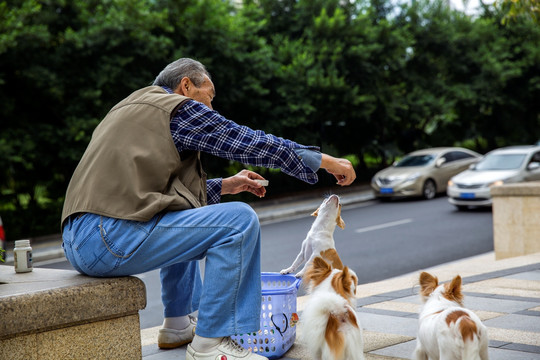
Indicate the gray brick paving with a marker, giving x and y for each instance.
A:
(516, 310)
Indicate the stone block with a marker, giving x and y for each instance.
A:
(516, 219)
(61, 314)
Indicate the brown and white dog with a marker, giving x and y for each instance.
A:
(320, 238)
(447, 330)
(330, 328)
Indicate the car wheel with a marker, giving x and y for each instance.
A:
(429, 190)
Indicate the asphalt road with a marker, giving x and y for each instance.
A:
(381, 240)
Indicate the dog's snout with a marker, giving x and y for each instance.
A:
(334, 198)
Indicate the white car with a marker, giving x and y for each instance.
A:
(501, 166)
(422, 173)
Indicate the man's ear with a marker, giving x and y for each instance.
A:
(184, 86)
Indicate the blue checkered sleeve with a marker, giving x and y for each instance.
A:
(197, 127)
(213, 191)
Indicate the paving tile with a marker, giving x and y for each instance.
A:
(497, 305)
(387, 312)
(514, 297)
(523, 348)
(487, 303)
(400, 351)
(414, 299)
(152, 352)
(501, 273)
(527, 275)
(372, 300)
(498, 344)
(502, 354)
(388, 324)
(516, 322)
(514, 336)
(506, 286)
(405, 350)
(529, 312)
(486, 315)
(375, 340)
(395, 306)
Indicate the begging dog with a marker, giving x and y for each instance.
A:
(447, 330)
(330, 328)
(320, 238)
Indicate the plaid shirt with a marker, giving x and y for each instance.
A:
(196, 127)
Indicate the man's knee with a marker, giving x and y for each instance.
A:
(244, 213)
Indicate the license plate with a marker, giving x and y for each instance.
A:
(387, 191)
(467, 195)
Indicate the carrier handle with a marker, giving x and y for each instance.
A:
(277, 327)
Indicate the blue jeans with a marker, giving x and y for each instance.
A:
(228, 235)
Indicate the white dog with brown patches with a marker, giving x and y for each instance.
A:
(330, 328)
(447, 330)
(320, 238)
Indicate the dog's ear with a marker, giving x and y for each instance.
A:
(428, 283)
(339, 220)
(317, 271)
(343, 283)
(453, 290)
(316, 212)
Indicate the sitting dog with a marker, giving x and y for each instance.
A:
(320, 238)
(447, 330)
(330, 328)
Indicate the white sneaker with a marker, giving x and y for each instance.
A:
(227, 350)
(171, 338)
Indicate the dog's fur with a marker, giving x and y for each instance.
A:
(331, 330)
(447, 330)
(320, 238)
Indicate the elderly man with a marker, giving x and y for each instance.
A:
(139, 200)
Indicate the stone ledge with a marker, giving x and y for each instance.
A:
(516, 219)
(531, 188)
(49, 299)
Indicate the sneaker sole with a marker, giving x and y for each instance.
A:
(173, 345)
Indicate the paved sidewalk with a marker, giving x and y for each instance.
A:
(505, 294)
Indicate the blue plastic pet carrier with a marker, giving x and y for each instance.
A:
(278, 317)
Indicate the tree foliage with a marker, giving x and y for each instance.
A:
(370, 80)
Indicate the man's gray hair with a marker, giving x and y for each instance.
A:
(183, 67)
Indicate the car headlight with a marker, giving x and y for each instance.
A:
(450, 183)
(413, 177)
(496, 183)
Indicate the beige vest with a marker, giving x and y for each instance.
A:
(131, 168)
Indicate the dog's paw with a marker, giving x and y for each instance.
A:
(300, 274)
(285, 271)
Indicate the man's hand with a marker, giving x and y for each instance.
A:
(342, 169)
(243, 181)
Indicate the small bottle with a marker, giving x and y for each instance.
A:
(22, 254)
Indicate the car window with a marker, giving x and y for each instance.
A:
(415, 160)
(535, 157)
(455, 156)
(460, 155)
(448, 157)
(501, 162)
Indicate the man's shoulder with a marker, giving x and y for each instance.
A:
(152, 95)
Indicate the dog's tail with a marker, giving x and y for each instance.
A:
(334, 338)
(328, 320)
(474, 343)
